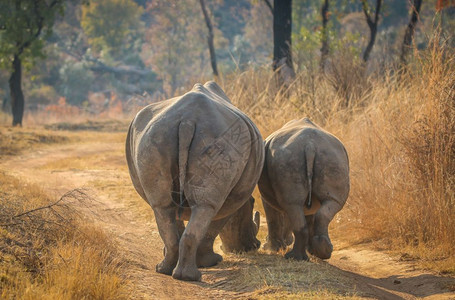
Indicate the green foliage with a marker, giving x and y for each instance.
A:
(23, 26)
(177, 44)
(111, 24)
(307, 31)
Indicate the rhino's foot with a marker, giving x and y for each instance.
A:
(208, 259)
(274, 246)
(165, 268)
(256, 244)
(187, 273)
(321, 246)
(297, 255)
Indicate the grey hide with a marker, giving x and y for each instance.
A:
(304, 183)
(195, 157)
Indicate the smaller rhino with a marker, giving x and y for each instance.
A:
(304, 183)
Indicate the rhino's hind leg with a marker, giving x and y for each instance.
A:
(195, 230)
(310, 224)
(275, 224)
(300, 230)
(321, 246)
(181, 228)
(167, 227)
(206, 257)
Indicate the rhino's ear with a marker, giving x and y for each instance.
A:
(257, 221)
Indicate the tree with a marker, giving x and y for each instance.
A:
(175, 43)
(24, 24)
(109, 23)
(256, 33)
(409, 34)
(372, 25)
(282, 42)
(209, 38)
(325, 34)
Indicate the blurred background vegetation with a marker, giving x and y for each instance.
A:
(91, 52)
(87, 61)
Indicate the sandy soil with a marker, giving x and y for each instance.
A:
(100, 168)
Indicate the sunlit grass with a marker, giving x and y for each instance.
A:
(270, 276)
(51, 253)
(15, 140)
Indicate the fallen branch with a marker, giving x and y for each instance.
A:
(77, 194)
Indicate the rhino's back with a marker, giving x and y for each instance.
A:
(210, 111)
(285, 157)
(289, 142)
(155, 128)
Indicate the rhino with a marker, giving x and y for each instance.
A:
(196, 158)
(304, 183)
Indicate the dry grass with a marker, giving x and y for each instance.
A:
(51, 253)
(400, 135)
(276, 277)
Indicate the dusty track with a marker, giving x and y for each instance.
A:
(100, 168)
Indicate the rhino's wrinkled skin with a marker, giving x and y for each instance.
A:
(304, 183)
(196, 157)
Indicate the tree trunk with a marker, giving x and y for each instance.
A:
(282, 29)
(409, 34)
(373, 25)
(210, 38)
(325, 35)
(366, 53)
(17, 97)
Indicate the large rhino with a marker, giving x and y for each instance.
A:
(304, 183)
(196, 157)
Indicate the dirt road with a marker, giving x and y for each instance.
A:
(100, 168)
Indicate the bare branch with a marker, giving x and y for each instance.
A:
(75, 194)
(40, 24)
(209, 38)
(373, 25)
(367, 14)
(409, 34)
(378, 9)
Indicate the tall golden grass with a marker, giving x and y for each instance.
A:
(399, 131)
(48, 252)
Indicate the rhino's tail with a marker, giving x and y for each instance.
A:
(185, 137)
(310, 153)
